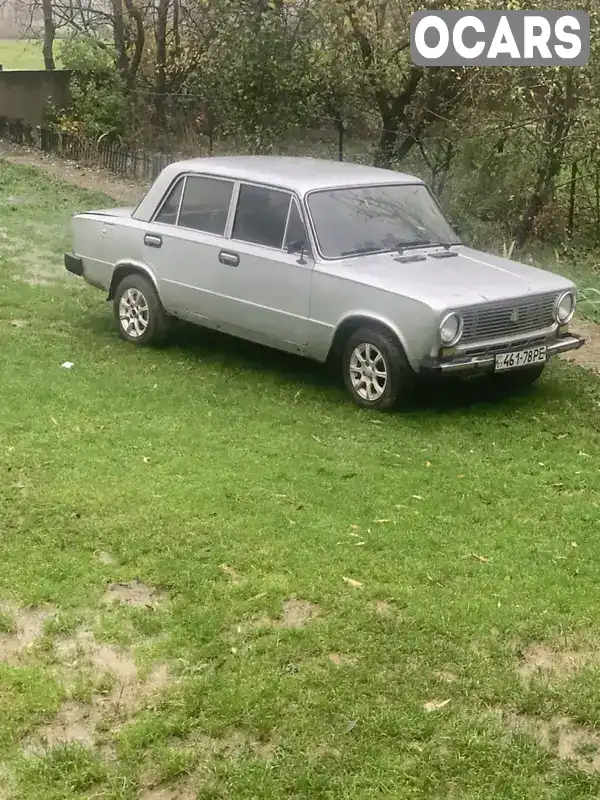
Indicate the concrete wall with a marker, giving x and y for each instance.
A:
(24, 94)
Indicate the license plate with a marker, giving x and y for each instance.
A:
(521, 358)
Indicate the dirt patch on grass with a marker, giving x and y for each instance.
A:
(296, 613)
(133, 593)
(236, 744)
(341, 660)
(106, 559)
(541, 660)
(119, 692)
(27, 625)
(587, 356)
(182, 791)
(82, 653)
(383, 608)
(74, 724)
(85, 177)
(561, 737)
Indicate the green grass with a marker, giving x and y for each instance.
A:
(471, 521)
(22, 54)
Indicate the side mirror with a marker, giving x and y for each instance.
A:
(298, 247)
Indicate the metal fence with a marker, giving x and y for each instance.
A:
(124, 161)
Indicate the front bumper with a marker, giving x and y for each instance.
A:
(481, 363)
(73, 264)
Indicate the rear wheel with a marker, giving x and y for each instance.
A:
(376, 371)
(138, 311)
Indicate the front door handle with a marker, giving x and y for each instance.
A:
(230, 259)
(151, 240)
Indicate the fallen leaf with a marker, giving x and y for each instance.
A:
(483, 559)
(435, 705)
(351, 725)
(352, 582)
(428, 463)
(354, 527)
(460, 476)
(335, 658)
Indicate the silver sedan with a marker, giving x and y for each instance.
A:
(334, 261)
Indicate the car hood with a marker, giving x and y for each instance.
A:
(469, 278)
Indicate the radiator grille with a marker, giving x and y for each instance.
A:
(508, 318)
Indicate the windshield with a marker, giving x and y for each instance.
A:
(375, 219)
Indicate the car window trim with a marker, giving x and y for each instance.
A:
(349, 188)
(291, 194)
(168, 192)
(184, 176)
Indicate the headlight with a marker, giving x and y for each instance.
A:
(451, 328)
(564, 307)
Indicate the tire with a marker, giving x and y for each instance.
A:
(518, 379)
(369, 349)
(147, 322)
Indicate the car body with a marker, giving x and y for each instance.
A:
(304, 254)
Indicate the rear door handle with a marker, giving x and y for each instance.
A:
(230, 259)
(151, 240)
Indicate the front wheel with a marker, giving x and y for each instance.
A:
(138, 311)
(376, 371)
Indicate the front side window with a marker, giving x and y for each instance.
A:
(376, 219)
(261, 216)
(205, 204)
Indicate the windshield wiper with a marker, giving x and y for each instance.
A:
(364, 251)
(402, 246)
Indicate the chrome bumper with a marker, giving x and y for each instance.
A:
(486, 362)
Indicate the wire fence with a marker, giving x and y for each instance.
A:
(145, 165)
(117, 158)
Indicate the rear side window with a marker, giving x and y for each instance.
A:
(261, 216)
(205, 204)
(168, 213)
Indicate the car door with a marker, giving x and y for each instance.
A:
(183, 242)
(265, 282)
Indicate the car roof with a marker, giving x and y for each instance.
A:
(293, 172)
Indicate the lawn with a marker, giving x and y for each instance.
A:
(221, 580)
(22, 54)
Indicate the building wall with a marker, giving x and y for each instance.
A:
(24, 94)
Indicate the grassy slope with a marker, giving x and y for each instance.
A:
(214, 452)
(21, 54)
